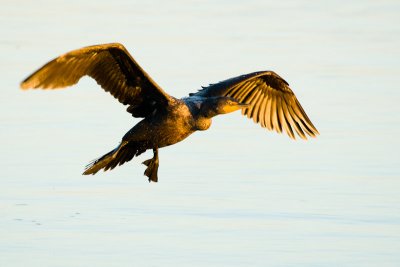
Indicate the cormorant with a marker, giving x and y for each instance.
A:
(263, 96)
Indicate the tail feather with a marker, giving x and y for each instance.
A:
(97, 164)
(121, 154)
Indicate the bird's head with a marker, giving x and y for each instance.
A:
(221, 105)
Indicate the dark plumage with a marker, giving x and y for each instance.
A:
(263, 96)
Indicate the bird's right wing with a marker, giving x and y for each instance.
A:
(113, 68)
(272, 103)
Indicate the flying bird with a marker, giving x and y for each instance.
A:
(262, 96)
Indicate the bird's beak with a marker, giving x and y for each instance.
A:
(233, 107)
(244, 105)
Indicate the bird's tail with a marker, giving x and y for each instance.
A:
(115, 157)
(97, 164)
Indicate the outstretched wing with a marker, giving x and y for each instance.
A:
(272, 103)
(114, 70)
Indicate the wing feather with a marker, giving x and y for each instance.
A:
(284, 122)
(247, 87)
(268, 108)
(263, 112)
(254, 104)
(248, 99)
(291, 122)
(253, 100)
(274, 116)
(272, 103)
(299, 120)
(256, 110)
(114, 70)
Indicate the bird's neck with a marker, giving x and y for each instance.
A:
(208, 109)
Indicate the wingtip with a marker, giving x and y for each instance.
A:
(24, 86)
(305, 137)
(313, 131)
(314, 134)
(29, 83)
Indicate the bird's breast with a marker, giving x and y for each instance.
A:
(173, 126)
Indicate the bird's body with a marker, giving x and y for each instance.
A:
(164, 128)
(263, 96)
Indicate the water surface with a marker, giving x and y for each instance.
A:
(235, 195)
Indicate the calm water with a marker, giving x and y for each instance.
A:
(235, 195)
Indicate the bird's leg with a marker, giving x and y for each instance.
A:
(152, 166)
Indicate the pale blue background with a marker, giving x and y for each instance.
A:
(235, 195)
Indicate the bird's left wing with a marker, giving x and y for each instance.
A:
(113, 68)
(272, 103)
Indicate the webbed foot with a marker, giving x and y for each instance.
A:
(152, 167)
